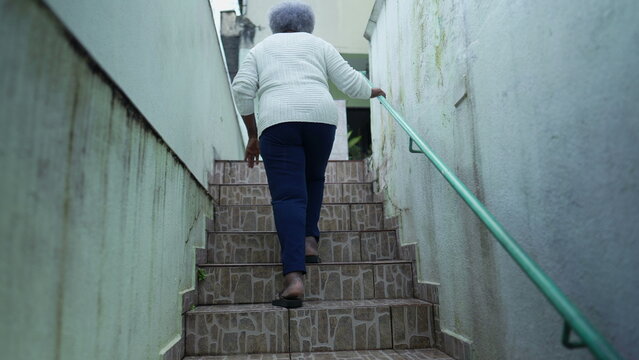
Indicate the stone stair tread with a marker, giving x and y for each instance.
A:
(235, 308)
(310, 305)
(236, 172)
(366, 262)
(347, 216)
(323, 203)
(416, 354)
(323, 232)
(349, 304)
(347, 183)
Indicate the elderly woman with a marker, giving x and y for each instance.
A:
(288, 72)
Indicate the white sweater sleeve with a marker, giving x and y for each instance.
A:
(350, 81)
(245, 85)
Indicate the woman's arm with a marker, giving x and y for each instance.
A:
(252, 153)
(245, 85)
(350, 81)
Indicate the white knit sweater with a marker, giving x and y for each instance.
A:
(288, 73)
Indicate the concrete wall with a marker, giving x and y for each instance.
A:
(100, 216)
(534, 106)
(166, 58)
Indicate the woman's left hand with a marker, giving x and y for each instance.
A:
(252, 153)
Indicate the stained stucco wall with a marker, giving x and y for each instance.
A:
(99, 217)
(165, 56)
(534, 106)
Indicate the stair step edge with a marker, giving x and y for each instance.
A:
(377, 262)
(308, 305)
(387, 354)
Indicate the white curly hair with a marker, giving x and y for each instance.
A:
(291, 16)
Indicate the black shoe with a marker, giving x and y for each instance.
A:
(312, 259)
(289, 303)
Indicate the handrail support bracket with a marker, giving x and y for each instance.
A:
(565, 339)
(411, 148)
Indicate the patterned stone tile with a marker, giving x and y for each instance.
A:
(357, 193)
(370, 174)
(367, 216)
(259, 194)
(427, 292)
(349, 355)
(340, 246)
(236, 329)
(335, 328)
(414, 354)
(457, 347)
(240, 173)
(339, 282)
(345, 172)
(378, 245)
(244, 218)
(255, 283)
(189, 299)
(391, 222)
(393, 281)
(237, 172)
(437, 329)
(239, 284)
(234, 248)
(241, 248)
(333, 194)
(423, 354)
(335, 217)
(200, 256)
(411, 326)
(214, 190)
(175, 352)
(210, 223)
(245, 195)
(218, 173)
(408, 252)
(332, 304)
(284, 356)
(260, 218)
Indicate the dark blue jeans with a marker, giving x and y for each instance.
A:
(295, 155)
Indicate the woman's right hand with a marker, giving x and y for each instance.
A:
(375, 92)
(252, 153)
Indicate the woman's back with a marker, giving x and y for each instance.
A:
(290, 73)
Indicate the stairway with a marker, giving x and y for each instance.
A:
(358, 304)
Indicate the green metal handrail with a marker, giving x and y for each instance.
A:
(573, 318)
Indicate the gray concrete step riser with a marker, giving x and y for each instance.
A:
(407, 354)
(260, 283)
(237, 248)
(259, 194)
(238, 173)
(343, 217)
(307, 329)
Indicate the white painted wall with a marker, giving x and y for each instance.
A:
(547, 136)
(340, 145)
(166, 58)
(99, 219)
(340, 22)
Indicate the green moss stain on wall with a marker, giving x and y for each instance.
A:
(100, 218)
(440, 35)
(505, 149)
